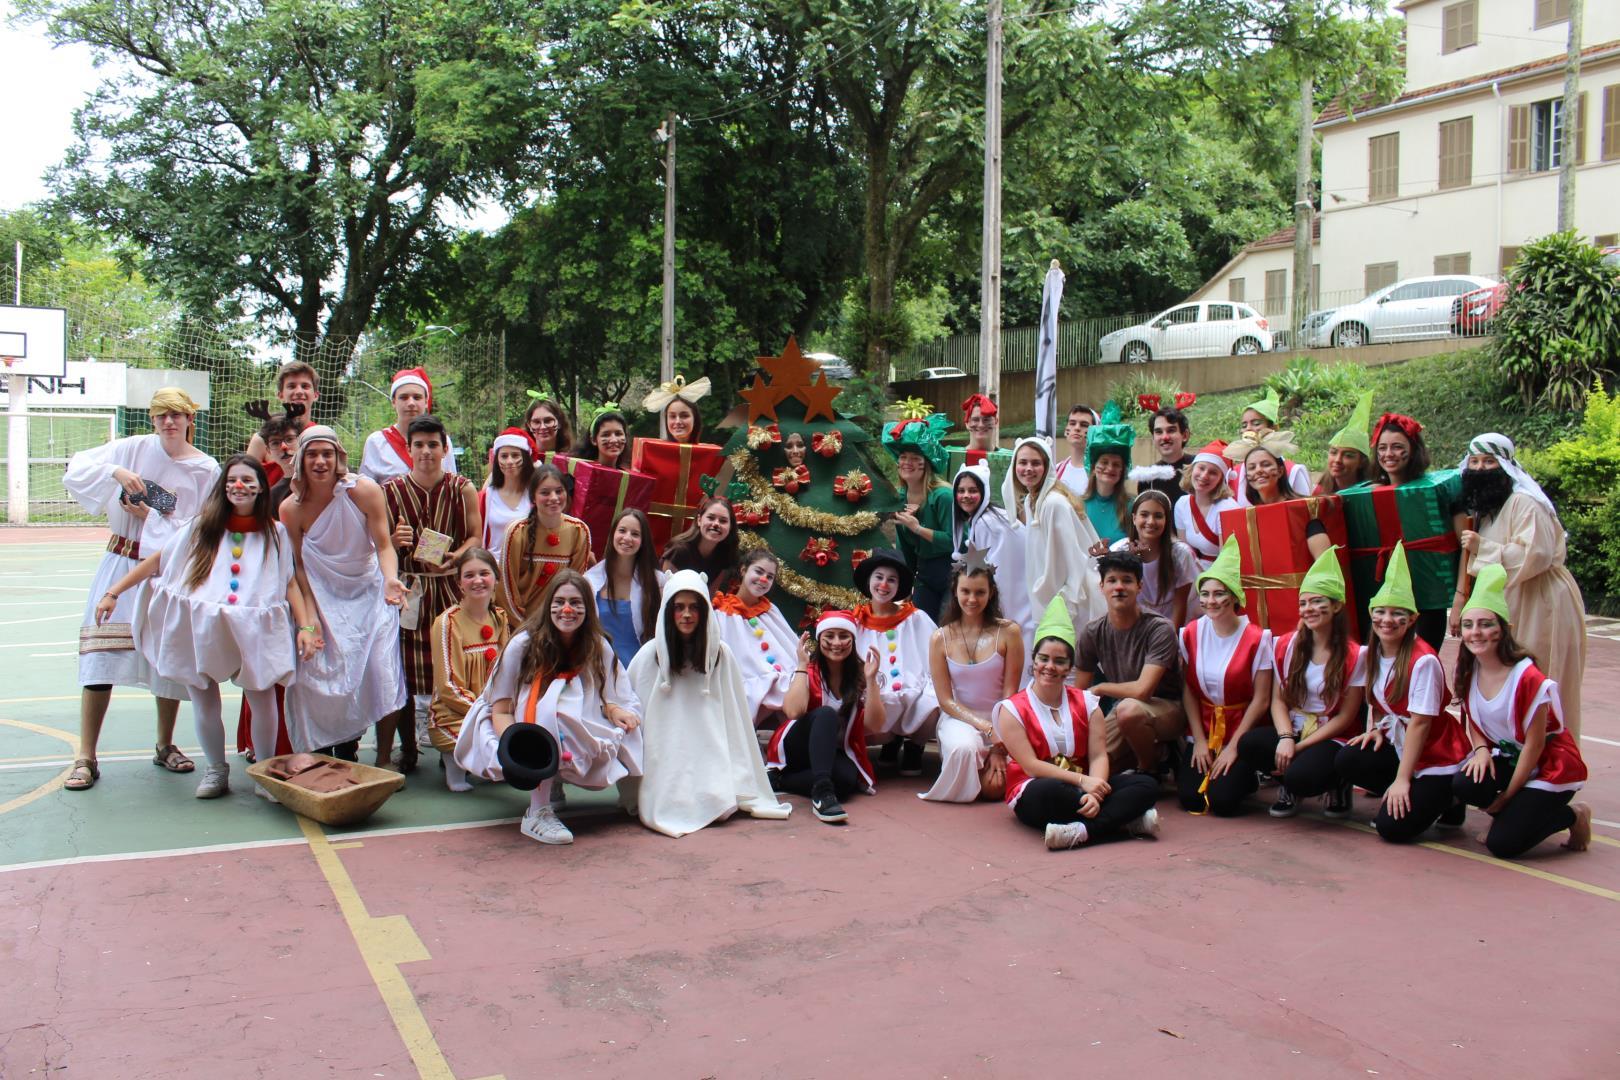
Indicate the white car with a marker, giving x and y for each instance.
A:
(1204, 328)
(941, 373)
(1405, 311)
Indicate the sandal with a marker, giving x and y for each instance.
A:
(169, 757)
(83, 775)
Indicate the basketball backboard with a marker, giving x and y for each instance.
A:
(33, 341)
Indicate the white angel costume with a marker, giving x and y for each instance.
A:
(89, 480)
(1002, 541)
(702, 760)
(1057, 538)
(357, 679)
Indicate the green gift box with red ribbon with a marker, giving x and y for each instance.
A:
(601, 492)
(1419, 515)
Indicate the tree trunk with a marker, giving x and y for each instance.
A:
(880, 264)
(1303, 208)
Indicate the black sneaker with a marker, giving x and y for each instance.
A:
(889, 754)
(1455, 816)
(1285, 806)
(911, 758)
(1338, 801)
(825, 805)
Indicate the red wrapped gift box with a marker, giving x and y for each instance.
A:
(601, 492)
(676, 469)
(1271, 546)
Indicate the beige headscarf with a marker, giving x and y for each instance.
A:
(313, 434)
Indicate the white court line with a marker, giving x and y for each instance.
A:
(80, 589)
(37, 644)
(42, 618)
(51, 655)
(1606, 824)
(1594, 738)
(34, 603)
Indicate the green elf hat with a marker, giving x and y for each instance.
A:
(1228, 570)
(1396, 592)
(1109, 436)
(1056, 623)
(1490, 592)
(1353, 436)
(1325, 577)
(1269, 406)
(919, 434)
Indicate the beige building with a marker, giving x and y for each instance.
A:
(1461, 170)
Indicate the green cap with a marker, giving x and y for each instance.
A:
(1490, 592)
(1056, 623)
(1396, 591)
(1325, 577)
(1269, 406)
(1353, 436)
(1109, 436)
(1226, 569)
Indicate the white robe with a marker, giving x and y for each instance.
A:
(89, 480)
(600, 752)
(702, 760)
(910, 708)
(358, 678)
(197, 636)
(1057, 541)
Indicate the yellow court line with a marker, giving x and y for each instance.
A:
(1600, 839)
(385, 942)
(1492, 860)
(53, 784)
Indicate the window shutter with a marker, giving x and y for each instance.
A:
(1580, 128)
(1611, 122)
(1519, 138)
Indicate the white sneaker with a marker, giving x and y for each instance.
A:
(1063, 837)
(543, 825)
(1147, 825)
(216, 781)
(264, 793)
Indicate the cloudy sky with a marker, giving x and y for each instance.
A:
(43, 85)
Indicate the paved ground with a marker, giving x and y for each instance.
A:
(159, 936)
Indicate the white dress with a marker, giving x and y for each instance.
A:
(766, 650)
(600, 752)
(963, 747)
(497, 516)
(380, 461)
(909, 705)
(1003, 544)
(702, 760)
(357, 679)
(89, 480)
(197, 636)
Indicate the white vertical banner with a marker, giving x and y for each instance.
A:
(1046, 358)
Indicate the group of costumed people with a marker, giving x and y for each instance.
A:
(1068, 643)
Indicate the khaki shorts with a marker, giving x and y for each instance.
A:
(1169, 720)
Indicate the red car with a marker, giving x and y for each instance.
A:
(1472, 313)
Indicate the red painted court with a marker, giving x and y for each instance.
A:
(921, 940)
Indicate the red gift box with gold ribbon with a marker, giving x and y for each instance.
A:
(601, 492)
(676, 469)
(1275, 558)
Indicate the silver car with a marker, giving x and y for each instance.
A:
(1203, 328)
(1405, 311)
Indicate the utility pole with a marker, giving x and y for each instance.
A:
(1572, 97)
(17, 429)
(666, 359)
(990, 270)
(1303, 210)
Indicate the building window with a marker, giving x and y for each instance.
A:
(1276, 292)
(1606, 240)
(1457, 153)
(1384, 166)
(1506, 259)
(1459, 263)
(1611, 122)
(1459, 26)
(1536, 135)
(1234, 289)
(1549, 12)
(1378, 275)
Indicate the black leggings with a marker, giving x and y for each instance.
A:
(1225, 794)
(1046, 802)
(811, 752)
(1375, 770)
(1311, 773)
(1529, 817)
(933, 581)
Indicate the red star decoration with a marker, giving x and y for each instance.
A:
(792, 371)
(762, 399)
(818, 398)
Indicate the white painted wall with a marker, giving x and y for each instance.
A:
(1507, 38)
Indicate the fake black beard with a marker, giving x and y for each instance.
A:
(1485, 490)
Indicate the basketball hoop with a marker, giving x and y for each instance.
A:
(8, 361)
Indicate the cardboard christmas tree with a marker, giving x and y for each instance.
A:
(805, 484)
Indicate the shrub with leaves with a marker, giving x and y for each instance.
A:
(1559, 326)
(1582, 476)
(1307, 384)
(1141, 381)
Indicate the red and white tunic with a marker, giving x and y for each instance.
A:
(854, 741)
(1201, 529)
(1061, 732)
(1221, 672)
(1314, 711)
(1506, 718)
(1446, 745)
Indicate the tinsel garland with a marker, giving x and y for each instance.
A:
(807, 589)
(800, 517)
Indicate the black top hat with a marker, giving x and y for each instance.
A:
(529, 755)
(884, 557)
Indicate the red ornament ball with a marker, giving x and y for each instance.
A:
(236, 568)
(490, 654)
(486, 632)
(553, 539)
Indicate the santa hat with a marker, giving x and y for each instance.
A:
(412, 377)
(835, 620)
(515, 438)
(1213, 454)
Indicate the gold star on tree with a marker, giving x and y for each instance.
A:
(818, 399)
(792, 371)
(762, 399)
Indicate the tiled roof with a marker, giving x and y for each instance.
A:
(1284, 237)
